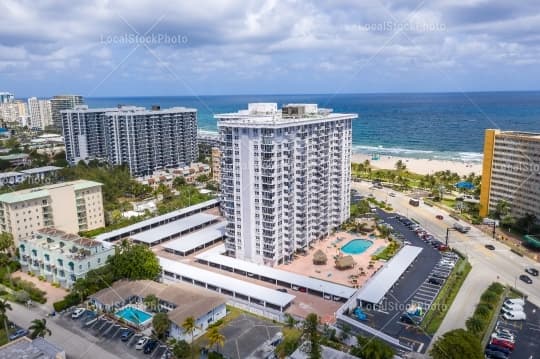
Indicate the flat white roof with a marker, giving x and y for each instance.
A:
(174, 228)
(197, 239)
(377, 287)
(277, 274)
(124, 231)
(255, 291)
(9, 174)
(41, 169)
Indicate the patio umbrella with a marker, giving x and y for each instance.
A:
(319, 257)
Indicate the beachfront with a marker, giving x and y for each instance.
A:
(421, 165)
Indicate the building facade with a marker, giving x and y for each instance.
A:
(69, 206)
(285, 178)
(6, 97)
(60, 103)
(39, 112)
(511, 172)
(144, 140)
(61, 257)
(216, 164)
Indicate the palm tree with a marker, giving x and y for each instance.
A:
(290, 322)
(475, 325)
(4, 307)
(215, 338)
(6, 242)
(38, 328)
(190, 326)
(151, 302)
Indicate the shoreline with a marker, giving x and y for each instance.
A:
(422, 166)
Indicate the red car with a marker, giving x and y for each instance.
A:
(439, 216)
(503, 343)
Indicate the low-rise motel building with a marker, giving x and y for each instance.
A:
(61, 257)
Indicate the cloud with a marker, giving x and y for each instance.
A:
(215, 41)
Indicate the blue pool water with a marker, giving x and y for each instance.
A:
(356, 246)
(133, 315)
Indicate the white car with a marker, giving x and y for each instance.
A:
(514, 301)
(392, 194)
(509, 307)
(141, 343)
(515, 316)
(77, 313)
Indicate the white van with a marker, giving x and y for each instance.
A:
(515, 316)
(512, 307)
(515, 301)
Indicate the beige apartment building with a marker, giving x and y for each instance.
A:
(68, 206)
(216, 164)
(511, 172)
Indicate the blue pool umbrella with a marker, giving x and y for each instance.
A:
(464, 185)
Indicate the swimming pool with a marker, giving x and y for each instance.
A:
(356, 246)
(134, 316)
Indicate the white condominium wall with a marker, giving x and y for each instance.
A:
(285, 178)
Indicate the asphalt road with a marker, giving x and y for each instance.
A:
(487, 266)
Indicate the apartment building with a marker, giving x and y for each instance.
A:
(14, 111)
(68, 206)
(144, 140)
(6, 97)
(166, 177)
(39, 112)
(60, 103)
(61, 257)
(285, 178)
(216, 164)
(511, 172)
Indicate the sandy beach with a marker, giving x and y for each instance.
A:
(420, 165)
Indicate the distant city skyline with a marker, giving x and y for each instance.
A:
(156, 48)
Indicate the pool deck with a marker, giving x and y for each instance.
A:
(304, 264)
(134, 307)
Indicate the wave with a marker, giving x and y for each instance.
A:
(468, 157)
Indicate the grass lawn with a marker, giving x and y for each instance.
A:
(444, 300)
(3, 337)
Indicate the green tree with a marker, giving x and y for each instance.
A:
(179, 182)
(190, 326)
(38, 328)
(475, 325)
(6, 242)
(372, 348)
(457, 344)
(215, 338)
(151, 302)
(4, 307)
(160, 323)
(290, 322)
(134, 262)
(400, 166)
(502, 209)
(180, 349)
(311, 334)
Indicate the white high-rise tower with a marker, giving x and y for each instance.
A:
(285, 178)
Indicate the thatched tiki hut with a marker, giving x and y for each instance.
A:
(319, 258)
(345, 262)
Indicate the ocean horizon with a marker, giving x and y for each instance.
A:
(439, 126)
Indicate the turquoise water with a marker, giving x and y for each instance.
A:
(133, 315)
(356, 246)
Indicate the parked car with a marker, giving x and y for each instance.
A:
(512, 307)
(513, 301)
(141, 343)
(150, 346)
(525, 278)
(77, 313)
(495, 354)
(491, 247)
(19, 333)
(503, 343)
(503, 336)
(126, 334)
(498, 348)
(532, 271)
(515, 316)
(436, 281)
(282, 290)
(439, 217)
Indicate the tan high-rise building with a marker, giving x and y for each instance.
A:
(216, 164)
(68, 206)
(511, 172)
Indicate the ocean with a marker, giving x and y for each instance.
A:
(446, 126)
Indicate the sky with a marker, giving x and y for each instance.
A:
(211, 47)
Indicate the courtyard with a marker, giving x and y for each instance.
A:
(332, 247)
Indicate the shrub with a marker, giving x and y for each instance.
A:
(41, 278)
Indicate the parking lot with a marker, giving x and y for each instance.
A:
(245, 334)
(526, 333)
(106, 333)
(412, 287)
